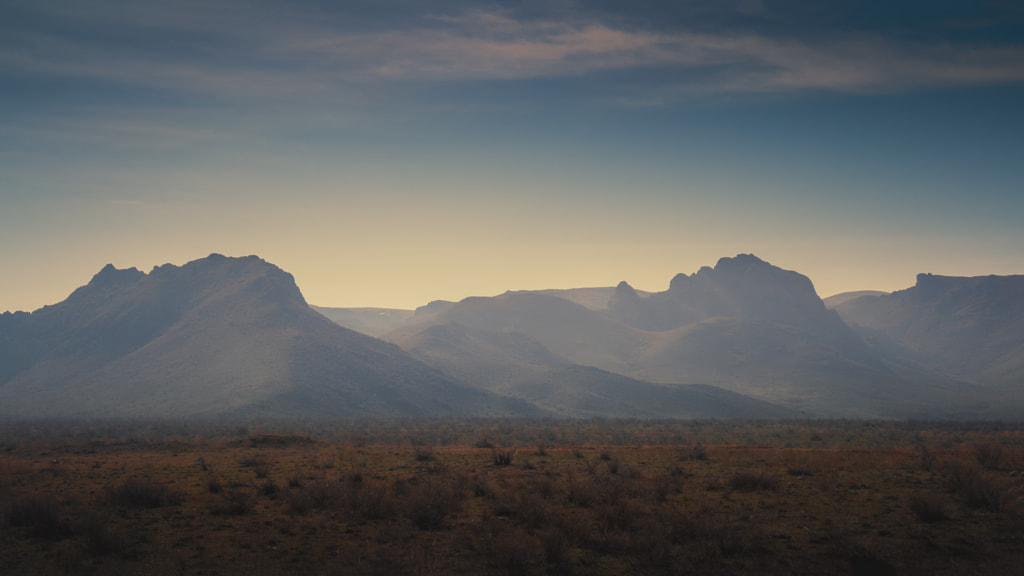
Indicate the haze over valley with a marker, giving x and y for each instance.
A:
(224, 336)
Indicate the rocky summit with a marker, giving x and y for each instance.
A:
(217, 336)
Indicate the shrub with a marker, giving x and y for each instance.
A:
(977, 488)
(523, 508)
(318, 495)
(927, 459)
(235, 503)
(575, 528)
(697, 451)
(989, 455)
(984, 492)
(259, 463)
(100, 539)
(651, 545)
(613, 466)
(269, 489)
(620, 515)
(556, 546)
(582, 493)
(424, 454)
(753, 482)
(929, 508)
(800, 471)
(503, 456)
(511, 551)
(143, 494)
(298, 502)
(668, 483)
(371, 500)
(481, 487)
(427, 504)
(40, 516)
(213, 485)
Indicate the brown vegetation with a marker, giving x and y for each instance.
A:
(430, 497)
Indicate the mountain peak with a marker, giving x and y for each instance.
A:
(680, 280)
(111, 275)
(743, 286)
(741, 262)
(624, 290)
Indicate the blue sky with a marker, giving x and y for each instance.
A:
(392, 153)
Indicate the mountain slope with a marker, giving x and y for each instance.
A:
(569, 330)
(744, 325)
(593, 298)
(215, 336)
(799, 369)
(967, 327)
(513, 364)
(836, 299)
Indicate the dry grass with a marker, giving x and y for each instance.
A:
(929, 507)
(597, 497)
(754, 481)
(134, 493)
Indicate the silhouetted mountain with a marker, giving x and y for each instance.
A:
(967, 327)
(836, 299)
(743, 287)
(569, 330)
(215, 336)
(787, 365)
(744, 325)
(593, 298)
(513, 364)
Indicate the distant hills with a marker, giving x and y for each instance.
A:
(966, 328)
(744, 326)
(217, 336)
(234, 337)
(516, 365)
(370, 321)
(836, 299)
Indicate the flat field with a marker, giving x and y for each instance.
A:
(512, 497)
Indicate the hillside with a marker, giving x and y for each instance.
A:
(571, 331)
(966, 327)
(217, 336)
(745, 326)
(593, 298)
(516, 365)
(836, 299)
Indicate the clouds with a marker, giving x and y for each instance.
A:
(489, 46)
(262, 50)
(492, 46)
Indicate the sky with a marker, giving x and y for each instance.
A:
(389, 153)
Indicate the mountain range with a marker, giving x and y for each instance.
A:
(964, 328)
(217, 336)
(744, 326)
(226, 336)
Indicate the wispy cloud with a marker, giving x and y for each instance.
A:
(489, 46)
(295, 59)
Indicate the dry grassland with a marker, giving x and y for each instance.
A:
(512, 497)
